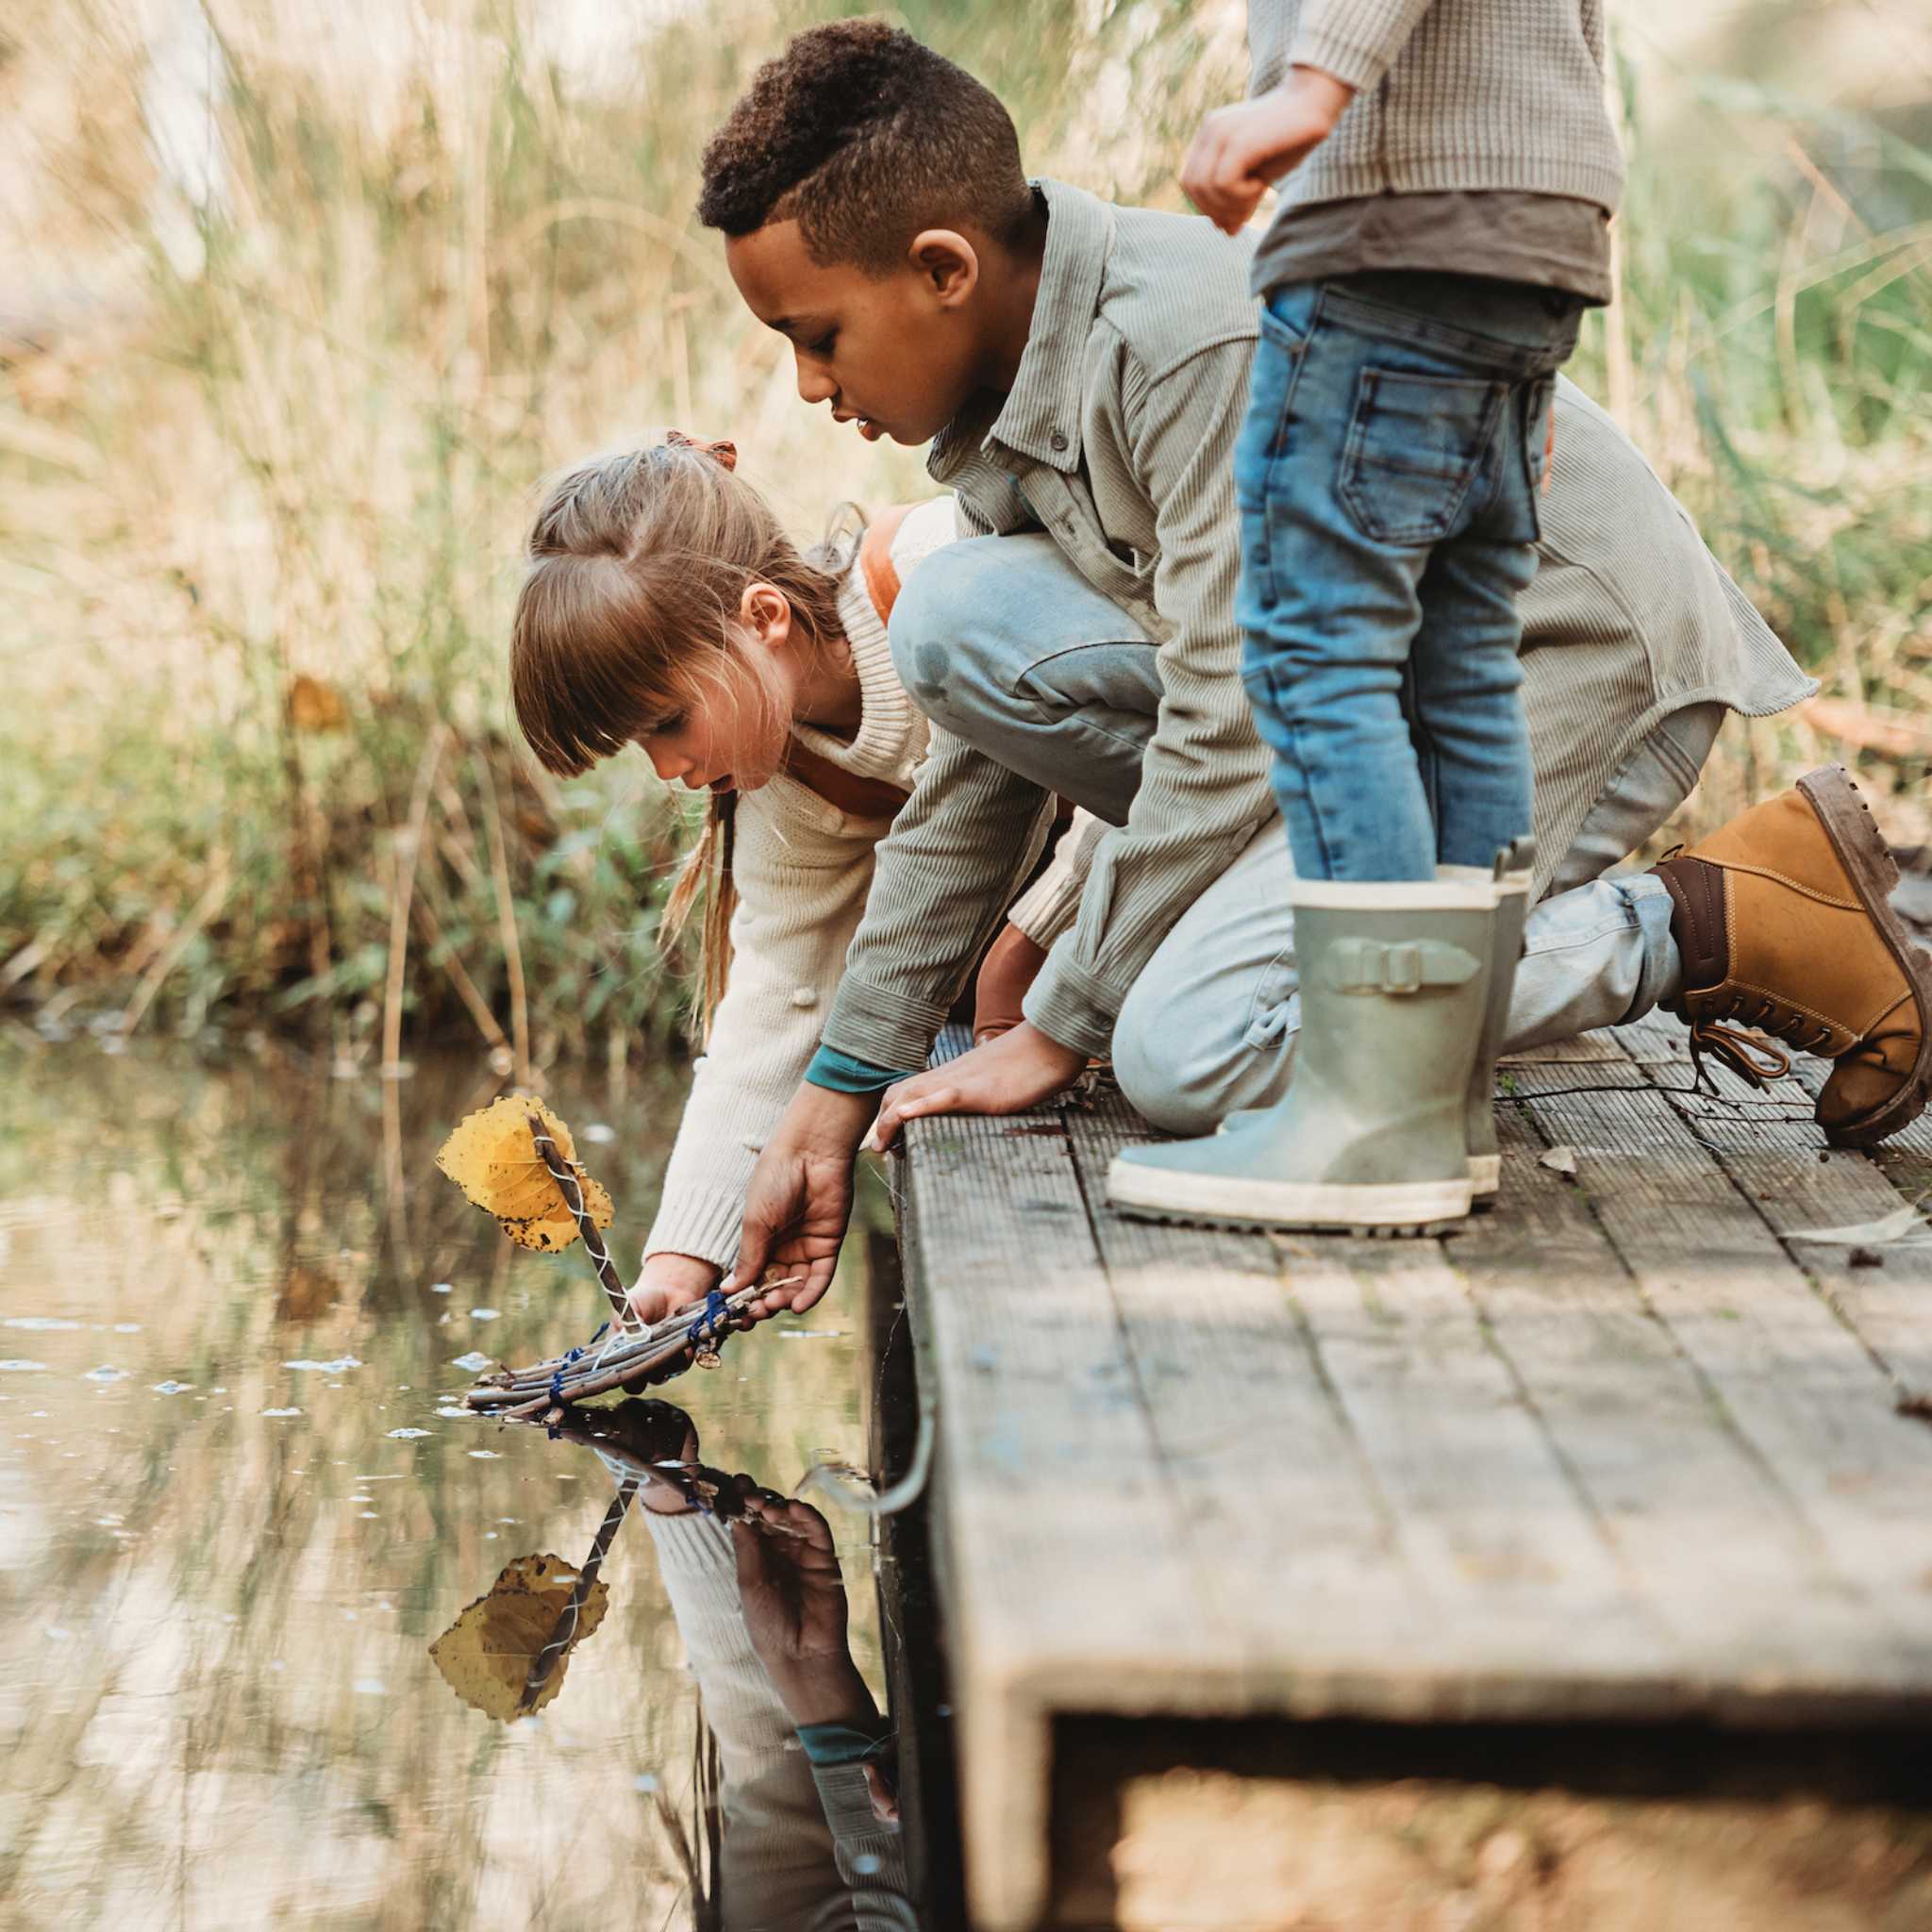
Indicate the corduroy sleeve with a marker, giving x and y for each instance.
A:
(1203, 779)
(942, 879)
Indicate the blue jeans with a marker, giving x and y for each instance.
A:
(1388, 472)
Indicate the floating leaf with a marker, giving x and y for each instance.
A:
(492, 1157)
(486, 1655)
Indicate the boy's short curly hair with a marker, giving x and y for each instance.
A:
(864, 137)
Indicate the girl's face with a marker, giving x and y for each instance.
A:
(732, 734)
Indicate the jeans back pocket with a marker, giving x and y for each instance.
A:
(1415, 446)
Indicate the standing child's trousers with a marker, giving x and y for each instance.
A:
(1388, 472)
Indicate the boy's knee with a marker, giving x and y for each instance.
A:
(1176, 1081)
(931, 630)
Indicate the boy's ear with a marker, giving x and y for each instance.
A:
(947, 262)
(766, 613)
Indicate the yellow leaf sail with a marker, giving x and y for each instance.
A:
(486, 1655)
(492, 1157)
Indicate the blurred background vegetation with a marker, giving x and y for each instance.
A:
(302, 302)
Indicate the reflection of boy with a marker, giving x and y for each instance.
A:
(1084, 368)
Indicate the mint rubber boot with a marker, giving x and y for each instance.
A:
(1513, 865)
(1394, 990)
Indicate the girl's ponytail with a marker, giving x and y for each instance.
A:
(706, 869)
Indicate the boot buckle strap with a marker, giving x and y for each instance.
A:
(1397, 966)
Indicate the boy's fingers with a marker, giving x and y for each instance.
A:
(947, 1100)
(934, 1100)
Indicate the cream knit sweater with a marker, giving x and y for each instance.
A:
(803, 868)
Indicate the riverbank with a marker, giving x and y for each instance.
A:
(261, 496)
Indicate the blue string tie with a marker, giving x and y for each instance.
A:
(556, 1394)
(711, 1321)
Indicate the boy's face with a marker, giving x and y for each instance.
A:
(895, 353)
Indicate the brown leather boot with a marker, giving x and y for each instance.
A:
(1784, 921)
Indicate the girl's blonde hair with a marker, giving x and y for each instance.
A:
(638, 564)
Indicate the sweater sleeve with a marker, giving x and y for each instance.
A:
(802, 879)
(1047, 907)
(1356, 41)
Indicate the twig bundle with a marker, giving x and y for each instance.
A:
(579, 1373)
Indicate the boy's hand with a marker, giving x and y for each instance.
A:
(668, 1281)
(1241, 151)
(1008, 1075)
(800, 1199)
(1011, 965)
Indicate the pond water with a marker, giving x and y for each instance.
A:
(237, 1504)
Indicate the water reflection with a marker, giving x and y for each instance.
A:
(798, 1819)
(239, 1502)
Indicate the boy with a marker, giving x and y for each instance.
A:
(1085, 369)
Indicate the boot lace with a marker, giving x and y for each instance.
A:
(1754, 1061)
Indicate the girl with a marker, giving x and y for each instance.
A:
(665, 608)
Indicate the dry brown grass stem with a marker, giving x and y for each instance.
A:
(214, 895)
(507, 919)
(464, 987)
(402, 892)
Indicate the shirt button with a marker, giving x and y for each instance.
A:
(804, 996)
(1056, 441)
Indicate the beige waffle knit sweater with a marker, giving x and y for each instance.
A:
(1450, 94)
(803, 869)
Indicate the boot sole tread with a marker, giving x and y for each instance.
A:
(1174, 1216)
(1873, 873)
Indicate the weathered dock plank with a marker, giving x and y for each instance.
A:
(1628, 1448)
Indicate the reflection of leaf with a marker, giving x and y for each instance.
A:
(485, 1655)
(492, 1157)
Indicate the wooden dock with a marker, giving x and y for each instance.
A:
(1632, 1448)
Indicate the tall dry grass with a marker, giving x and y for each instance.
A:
(264, 465)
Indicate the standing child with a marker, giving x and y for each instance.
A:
(1452, 173)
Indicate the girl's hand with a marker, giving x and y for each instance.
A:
(668, 1281)
(799, 1201)
(1241, 151)
(1008, 1075)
